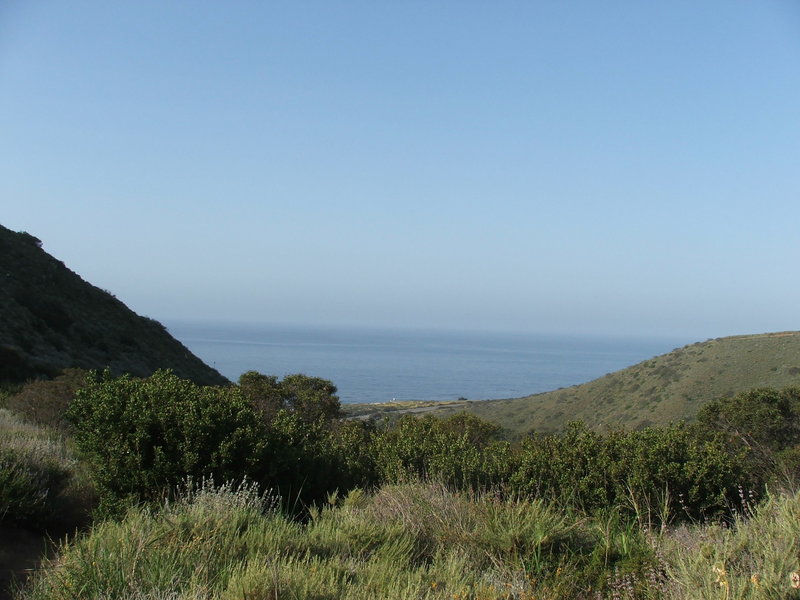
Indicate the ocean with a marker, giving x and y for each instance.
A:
(380, 365)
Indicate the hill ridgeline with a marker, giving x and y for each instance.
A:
(51, 319)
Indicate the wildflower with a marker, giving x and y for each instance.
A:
(721, 576)
(558, 572)
(795, 578)
(756, 579)
(434, 585)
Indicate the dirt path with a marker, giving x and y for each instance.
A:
(403, 411)
(21, 552)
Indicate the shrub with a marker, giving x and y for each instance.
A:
(142, 436)
(45, 402)
(763, 423)
(459, 451)
(659, 471)
(311, 398)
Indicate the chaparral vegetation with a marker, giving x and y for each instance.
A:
(263, 489)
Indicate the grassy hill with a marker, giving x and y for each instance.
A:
(669, 387)
(51, 319)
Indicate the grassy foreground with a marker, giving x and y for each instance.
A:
(420, 541)
(42, 482)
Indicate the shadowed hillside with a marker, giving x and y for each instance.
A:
(52, 319)
(669, 387)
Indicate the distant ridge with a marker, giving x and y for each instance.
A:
(51, 319)
(666, 388)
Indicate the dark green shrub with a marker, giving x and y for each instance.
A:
(458, 451)
(764, 424)
(142, 436)
(304, 462)
(311, 398)
(660, 471)
(763, 417)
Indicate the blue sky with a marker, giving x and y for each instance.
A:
(605, 167)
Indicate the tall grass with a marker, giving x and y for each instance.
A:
(419, 540)
(42, 483)
(406, 541)
(755, 556)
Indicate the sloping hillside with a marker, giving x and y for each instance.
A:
(668, 387)
(51, 319)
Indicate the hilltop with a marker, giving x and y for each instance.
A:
(51, 319)
(666, 388)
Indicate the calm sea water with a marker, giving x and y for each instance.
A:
(370, 365)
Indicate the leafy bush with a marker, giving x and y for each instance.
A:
(763, 423)
(658, 471)
(304, 462)
(142, 436)
(311, 398)
(461, 451)
(311, 450)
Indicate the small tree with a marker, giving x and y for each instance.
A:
(310, 398)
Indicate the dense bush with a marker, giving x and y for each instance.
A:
(659, 471)
(461, 451)
(311, 451)
(304, 462)
(764, 423)
(142, 436)
(310, 398)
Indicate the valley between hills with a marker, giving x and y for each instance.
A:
(657, 391)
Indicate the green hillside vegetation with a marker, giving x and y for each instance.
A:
(313, 506)
(51, 319)
(666, 388)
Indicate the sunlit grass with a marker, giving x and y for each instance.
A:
(420, 540)
(41, 480)
(407, 541)
(752, 557)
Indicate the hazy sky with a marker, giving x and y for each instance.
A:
(616, 166)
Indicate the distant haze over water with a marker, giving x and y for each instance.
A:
(379, 365)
